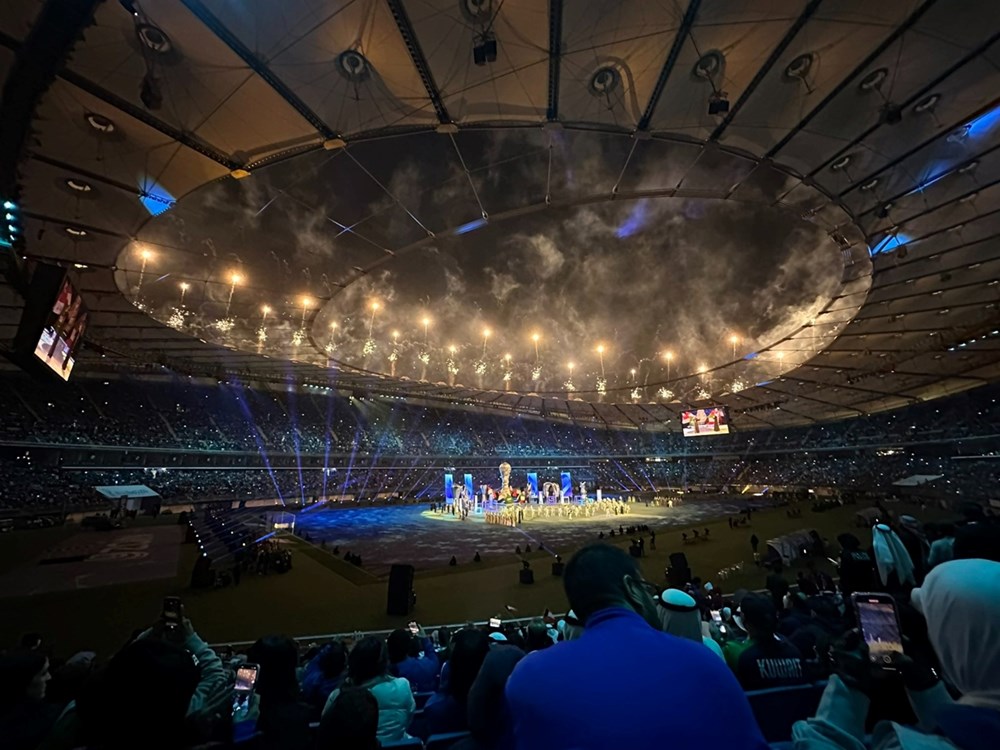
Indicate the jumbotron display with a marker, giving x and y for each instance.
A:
(53, 323)
(703, 422)
(63, 331)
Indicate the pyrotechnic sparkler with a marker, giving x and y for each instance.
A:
(331, 345)
(665, 393)
(734, 340)
(452, 365)
(226, 324)
(507, 373)
(568, 385)
(394, 354)
(486, 337)
(668, 358)
(262, 331)
(146, 255)
(600, 353)
(234, 279)
(176, 319)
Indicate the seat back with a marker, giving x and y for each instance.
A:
(407, 743)
(421, 699)
(445, 741)
(776, 709)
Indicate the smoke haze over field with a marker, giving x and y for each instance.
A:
(400, 223)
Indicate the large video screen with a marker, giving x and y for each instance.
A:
(63, 331)
(705, 422)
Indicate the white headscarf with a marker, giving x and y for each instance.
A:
(891, 555)
(679, 614)
(960, 600)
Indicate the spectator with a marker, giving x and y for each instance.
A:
(961, 603)
(570, 628)
(911, 534)
(407, 661)
(368, 667)
(536, 636)
(351, 723)
(857, 572)
(283, 721)
(895, 568)
(116, 715)
(445, 711)
(25, 717)
(164, 657)
(323, 674)
(488, 714)
(770, 660)
(943, 547)
(679, 616)
(553, 696)
(778, 586)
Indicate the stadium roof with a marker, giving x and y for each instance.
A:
(875, 124)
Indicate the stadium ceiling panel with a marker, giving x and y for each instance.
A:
(596, 211)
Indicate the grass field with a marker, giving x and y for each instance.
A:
(321, 595)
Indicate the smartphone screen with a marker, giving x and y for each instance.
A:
(172, 610)
(246, 679)
(414, 628)
(716, 616)
(494, 622)
(879, 628)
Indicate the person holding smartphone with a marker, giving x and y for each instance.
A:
(166, 688)
(412, 655)
(960, 601)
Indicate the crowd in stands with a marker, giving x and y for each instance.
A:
(184, 415)
(389, 449)
(631, 664)
(45, 489)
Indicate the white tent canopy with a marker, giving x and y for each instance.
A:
(116, 491)
(789, 546)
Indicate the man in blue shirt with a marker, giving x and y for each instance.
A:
(624, 683)
(406, 660)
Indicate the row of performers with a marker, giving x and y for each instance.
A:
(516, 495)
(512, 515)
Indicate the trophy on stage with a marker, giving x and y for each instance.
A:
(505, 481)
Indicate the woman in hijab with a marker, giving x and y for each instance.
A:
(680, 616)
(960, 600)
(895, 567)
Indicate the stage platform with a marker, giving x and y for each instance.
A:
(415, 535)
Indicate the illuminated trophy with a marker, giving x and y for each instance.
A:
(504, 481)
